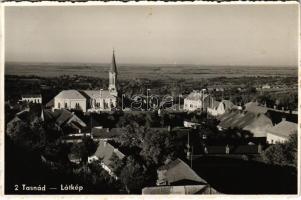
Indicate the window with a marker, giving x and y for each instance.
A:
(191, 105)
(59, 105)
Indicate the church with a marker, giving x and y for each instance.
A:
(90, 100)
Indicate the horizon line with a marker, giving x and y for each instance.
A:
(143, 64)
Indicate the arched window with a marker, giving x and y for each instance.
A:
(59, 105)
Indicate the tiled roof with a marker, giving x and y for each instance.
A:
(284, 129)
(70, 94)
(61, 116)
(255, 108)
(94, 94)
(178, 170)
(105, 151)
(244, 120)
(187, 189)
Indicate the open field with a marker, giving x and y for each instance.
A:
(149, 72)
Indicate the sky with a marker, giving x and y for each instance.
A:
(207, 35)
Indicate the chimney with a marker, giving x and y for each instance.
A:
(275, 107)
(100, 92)
(283, 119)
(282, 108)
(108, 130)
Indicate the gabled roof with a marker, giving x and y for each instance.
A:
(255, 108)
(244, 120)
(62, 116)
(95, 94)
(70, 94)
(178, 170)
(284, 129)
(228, 104)
(214, 104)
(105, 151)
(185, 189)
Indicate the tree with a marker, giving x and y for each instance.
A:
(133, 135)
(282, 154)
(116, 164)
(133, 176)
(156, 147)
(84, 149)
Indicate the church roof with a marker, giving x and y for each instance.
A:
(70, 94)
(94, 94)
(113, 64)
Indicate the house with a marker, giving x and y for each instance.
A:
(64, 120)
(176, 177)
(177, 172)
(196, 100)
(183, 189)
(266, 86)
(104, 153)
(255, 122)
(216, 108)
(190, 124)
(32, 98)
(280, 132)
(90, 100)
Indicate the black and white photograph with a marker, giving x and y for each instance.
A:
(151, 98)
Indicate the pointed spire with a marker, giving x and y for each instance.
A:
(113, 64)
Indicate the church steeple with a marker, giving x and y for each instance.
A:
(113, 76)
(113, 64)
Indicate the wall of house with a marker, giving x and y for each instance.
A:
(272, 138)
(70, 103)
(32, 99)
(192, 105)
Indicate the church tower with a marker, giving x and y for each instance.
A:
(113, 77)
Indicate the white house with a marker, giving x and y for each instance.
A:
(33, 98)
(219, 107)
(281, 132)
(195, 101)
(70, 99)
